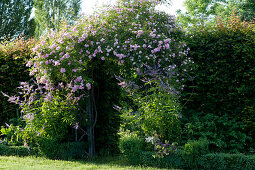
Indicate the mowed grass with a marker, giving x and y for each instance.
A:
(14, 162)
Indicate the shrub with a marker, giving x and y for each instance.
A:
(139, 152)
(173, 160)
(223, 81)
(192, 152)
(132, 146)
(51, 148)
(227, 161)
(224, 134)
(6, 150)
(12, 134)
(160, 113)
(13, 57)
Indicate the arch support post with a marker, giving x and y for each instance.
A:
(90, 130)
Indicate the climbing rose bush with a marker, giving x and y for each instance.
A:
(132, 35)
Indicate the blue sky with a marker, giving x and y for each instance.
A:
(88, 6)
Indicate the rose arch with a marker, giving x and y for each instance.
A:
(79, 70)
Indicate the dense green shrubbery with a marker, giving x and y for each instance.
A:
(48, 148)
(6, 150)
(194, 155)
(132, 146)
(227, 161)
(220, 98)
(193, 150)
(140, 152)
(51, 148)
(224, 134)
(13, 58)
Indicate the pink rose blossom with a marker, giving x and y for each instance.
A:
(43, 80)
(75, 88)
(29, 64)
(88, 86)
(62, 70)
(57, 63)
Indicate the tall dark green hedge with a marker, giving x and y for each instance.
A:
(223, 85)
(13, 56)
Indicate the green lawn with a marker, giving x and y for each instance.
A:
(13, 162)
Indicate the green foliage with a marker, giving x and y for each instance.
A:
(173, 160)
(222, 87)
(138, 152)
(49, 148)
(50, 13)
(193, 150)
(15, 18)
(224, 134)
(13, 57)
(249, 10)
(203, 12)
(227, 161)
(131, 119)
(132, 146)
(164, 149)
(160, 115)
(13, 135)
(194, 155)
(53, 149)
(16, 151)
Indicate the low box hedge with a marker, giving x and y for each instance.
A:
(227, 161)
(16, 151)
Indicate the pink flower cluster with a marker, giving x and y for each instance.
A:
(129, 33)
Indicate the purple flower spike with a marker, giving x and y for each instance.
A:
(76, 125)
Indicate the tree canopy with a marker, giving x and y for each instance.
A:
(50, 13)
(201, 12)
(15, 18)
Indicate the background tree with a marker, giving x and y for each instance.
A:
(249, 9)
(15, 18)
(201, 12)
(50, 13)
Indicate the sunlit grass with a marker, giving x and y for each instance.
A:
(13, 162)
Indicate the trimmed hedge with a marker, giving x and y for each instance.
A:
(13, 57)
(65, 151)
(16, 151)
(194, 155)
(50, 148)
(227, 161)
(222, 85)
